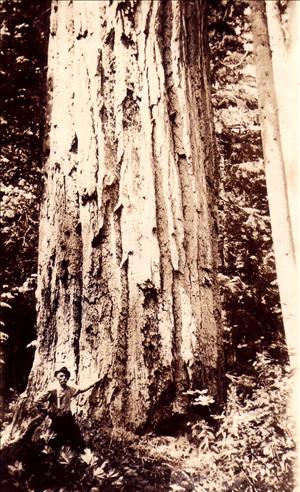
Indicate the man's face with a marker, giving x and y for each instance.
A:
(62, 378)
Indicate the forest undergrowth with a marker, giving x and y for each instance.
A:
(248, 447)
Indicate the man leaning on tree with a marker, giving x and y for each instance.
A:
(56, 403)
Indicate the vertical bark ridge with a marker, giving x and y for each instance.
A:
(176, 269)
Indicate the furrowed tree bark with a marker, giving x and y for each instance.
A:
(128, 251)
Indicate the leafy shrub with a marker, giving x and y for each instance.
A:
(68, 470)
(253, 448)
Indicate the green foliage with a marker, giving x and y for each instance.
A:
(253, 448)
(229, 34)
(201, 398)
(18, 235)
(250, 298)
(248, 278)
(249, 447)
(23, 60)
(24, 35)
(19, 214)
(66, 470)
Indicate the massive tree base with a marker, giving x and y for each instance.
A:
(128, 238)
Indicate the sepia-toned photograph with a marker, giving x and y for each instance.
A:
(149, 329)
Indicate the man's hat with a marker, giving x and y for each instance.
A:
(64, 370)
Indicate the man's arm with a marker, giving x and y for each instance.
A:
(83, 390)
(42, 402)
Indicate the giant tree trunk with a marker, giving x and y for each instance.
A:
(128, 249)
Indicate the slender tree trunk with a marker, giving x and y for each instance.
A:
(128, 241)
(278, 105)
(280, 165)
(284, 44)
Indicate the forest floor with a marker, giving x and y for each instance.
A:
(248, 447)
(129, 463)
